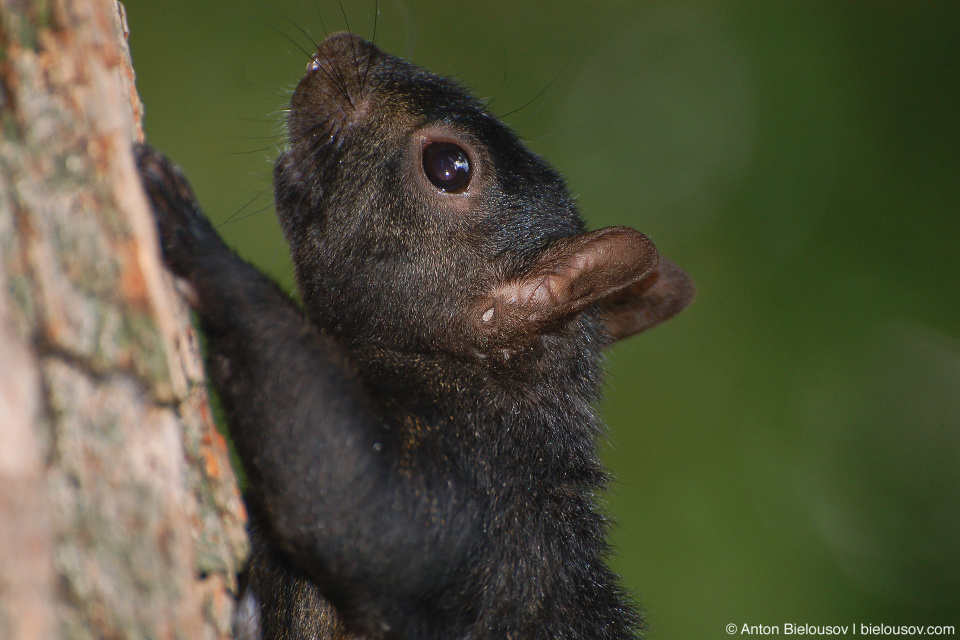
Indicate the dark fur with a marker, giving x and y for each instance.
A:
(421, 439)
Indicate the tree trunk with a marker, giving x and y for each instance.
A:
(119, 512)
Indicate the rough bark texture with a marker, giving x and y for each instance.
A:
(119, 513)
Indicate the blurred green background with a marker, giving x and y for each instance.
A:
(787, 449)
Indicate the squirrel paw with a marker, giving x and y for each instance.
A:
(186, 235)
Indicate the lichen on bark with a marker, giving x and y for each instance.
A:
(119, 512)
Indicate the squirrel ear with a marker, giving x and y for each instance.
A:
(571, 274)
(656, 297)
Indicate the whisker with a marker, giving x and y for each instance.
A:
(366, 70)
(353, 45)
(248, 152)
(252, 213)
(503, 81)
(295, 43)
(323, 26)
(269, 137)
(341, 82)
(344, 13)
(290, 20)
(248, 203)
(549, 84)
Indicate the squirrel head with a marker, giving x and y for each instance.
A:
(418, 221)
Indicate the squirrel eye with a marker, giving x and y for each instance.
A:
(447, 166)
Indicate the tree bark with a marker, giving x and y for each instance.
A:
(119, 512)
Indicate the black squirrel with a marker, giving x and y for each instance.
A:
(419, 438)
